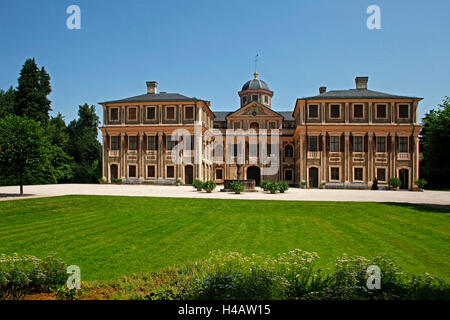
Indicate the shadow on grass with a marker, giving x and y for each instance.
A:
(15, 195)
(427, 207)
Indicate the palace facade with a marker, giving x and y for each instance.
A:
(337, 139)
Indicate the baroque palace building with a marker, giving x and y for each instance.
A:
(338, 138)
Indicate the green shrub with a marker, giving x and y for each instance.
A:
(101, 181)
(237, 186)
(292, 275)
(272, 187)
(421, 183)
(198, 184)
(395, 183)
(118, 180)
(209, 186)
(264, 184)
(236, 286)
(20, 275)
(282, 186)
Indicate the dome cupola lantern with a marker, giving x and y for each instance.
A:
(256, 90)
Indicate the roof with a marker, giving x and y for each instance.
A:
(357, 94)
(255, 84)
(155, 97)
(222, 115)
(287, 115)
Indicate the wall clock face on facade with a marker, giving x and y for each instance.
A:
(254, 113)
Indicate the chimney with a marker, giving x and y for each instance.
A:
(361, 82)
(322, 90)
(152, 87)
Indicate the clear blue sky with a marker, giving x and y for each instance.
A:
(206, 48)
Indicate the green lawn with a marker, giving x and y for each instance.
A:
(113, 236)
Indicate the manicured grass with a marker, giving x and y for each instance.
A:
(113, 236)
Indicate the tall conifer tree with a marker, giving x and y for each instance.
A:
(32, 91)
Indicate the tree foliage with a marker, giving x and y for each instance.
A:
(83, 145)
(435, 166)
(32, 91)
(37, 149)
(57, 131)
(24, 149)
(7, 102)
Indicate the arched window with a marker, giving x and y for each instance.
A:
(288, 151)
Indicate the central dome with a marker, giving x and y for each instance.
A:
(255, 84)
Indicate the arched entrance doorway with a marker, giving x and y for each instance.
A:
(254, 173)
(313, 177)
(403, 175)
(188, 174)
(114, 171)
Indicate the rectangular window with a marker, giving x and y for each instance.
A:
(255, 98)
(170, 172)
(269, 149)
(381, 111)
(115, 143)
(288, 175)
(266, 99)
(170, 113)
(114, 114)
(403, 111)
(357, 144)
(334, 141)
(132, 171)
(313, 111)
(358, 174)
(244, 100)
(170, 144)
(151, 172)
(219, 174)
(403, 144)
(381, 144)
(334, 172)
(272, 125)
(358, 111)
(132, 143)
(381, 174)
(132, 114)
(151, 113)
(151, 143)
(189, 113)
(313, 143)
(335, 111)
(236, 125)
